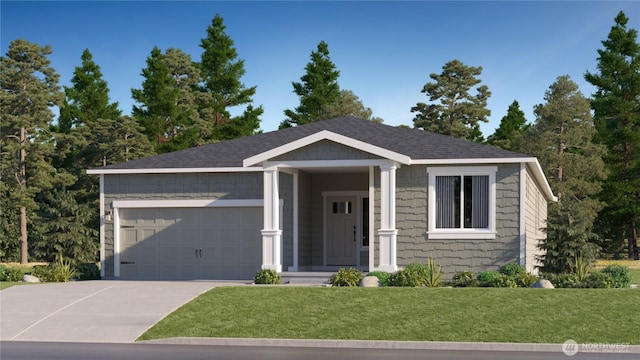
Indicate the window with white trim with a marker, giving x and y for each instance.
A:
(462, 202)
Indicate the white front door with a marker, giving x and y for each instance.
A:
(342, 230)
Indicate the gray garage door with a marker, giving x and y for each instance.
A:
(190, 243)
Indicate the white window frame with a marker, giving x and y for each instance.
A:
(433, 232)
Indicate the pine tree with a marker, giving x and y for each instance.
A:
(168, 102)
(512, 127)
(317, 90)
(29, 89)
(453, 110)
(348, 104)
(616, 106)
(561, 140)
(222, 89)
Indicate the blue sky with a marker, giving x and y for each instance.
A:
(384, 51)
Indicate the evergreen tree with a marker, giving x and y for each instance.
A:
(317, 90)
(29, 89)
(561, 140)
(88, 98)
(512, 127)
(221, 87)
(616, 106)
(348, 104)
(453, 110)
(168, 102)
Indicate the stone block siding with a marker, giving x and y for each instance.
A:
(325, 150)
(455, 255)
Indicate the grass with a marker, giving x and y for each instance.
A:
(7, 284)
(421, 314)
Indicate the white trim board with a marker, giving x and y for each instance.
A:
(173, 170)
(187, 203)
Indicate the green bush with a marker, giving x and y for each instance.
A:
(563, 280)
(599, 280)
(525, 279)
(266, 276)
(512, 269)
(11, 273)
(58, 271)
(486, 277)
(88, 271)
(464, 279)
(415, 275)
(621, 275)
(502, 280)
(43, 272)
(382, 276)
(346, 277)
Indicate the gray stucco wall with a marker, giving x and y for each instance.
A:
(235, 186)
(454, 255)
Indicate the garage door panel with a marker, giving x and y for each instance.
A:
(190, 243)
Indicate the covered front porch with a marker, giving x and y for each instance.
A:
(320, 216)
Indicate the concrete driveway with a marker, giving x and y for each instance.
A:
(91, 311)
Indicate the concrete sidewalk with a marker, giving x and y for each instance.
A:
(91, 311)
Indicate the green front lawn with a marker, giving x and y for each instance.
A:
(422, 314)
(6, 284)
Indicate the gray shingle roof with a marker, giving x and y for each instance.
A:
(415, 143)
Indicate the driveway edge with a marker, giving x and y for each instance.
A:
(376, 344)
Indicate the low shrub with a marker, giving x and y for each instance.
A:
(501, 280)
(382, 276)
(266, 276)
(464, 279)
(88, 271)
(599, 280)
(621, 275)
(416, 275)
(525, 279)
(596, 279)
(346, 277)
(512, 269)
(58, 271)
(11, 273)
(486, 277)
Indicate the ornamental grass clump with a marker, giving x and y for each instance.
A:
(346, 277)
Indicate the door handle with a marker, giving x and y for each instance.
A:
(354, 233)
(200, 252)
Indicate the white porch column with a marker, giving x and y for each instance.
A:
(387, 233)
(271, 234)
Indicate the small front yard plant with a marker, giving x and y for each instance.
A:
(266, 276)
(346, 277)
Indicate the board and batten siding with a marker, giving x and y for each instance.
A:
(536, 221)
(413, 244)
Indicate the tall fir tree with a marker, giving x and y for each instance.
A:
(222, 88)
(317, 90)
(616, 106)
(167, 104)
(88, 98)
(454, 110)
(29, 90)
(561, 140)
(512, 127)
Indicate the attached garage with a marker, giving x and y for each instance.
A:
(184, 243)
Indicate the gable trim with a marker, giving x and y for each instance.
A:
(326, 135)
